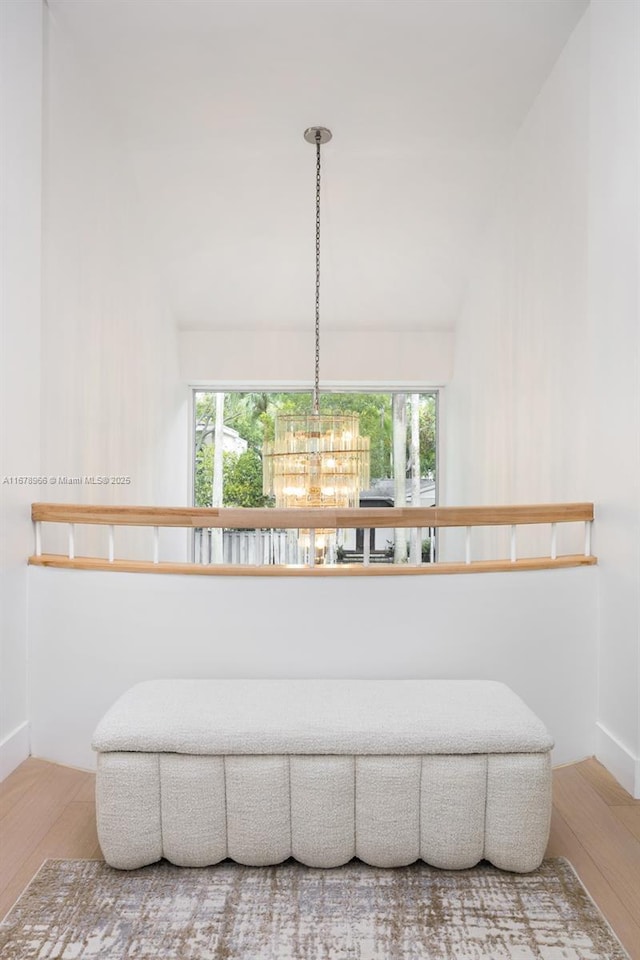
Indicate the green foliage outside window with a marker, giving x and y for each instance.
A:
(242, 479)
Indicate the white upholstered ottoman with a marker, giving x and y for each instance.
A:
(390, 771)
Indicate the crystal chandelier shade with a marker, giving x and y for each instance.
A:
(316, 459)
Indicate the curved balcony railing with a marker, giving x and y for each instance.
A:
(292, 542)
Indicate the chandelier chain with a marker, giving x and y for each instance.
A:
(316, 387)
(314, 459)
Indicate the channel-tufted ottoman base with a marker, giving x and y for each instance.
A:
(450, 811)
(388, 809)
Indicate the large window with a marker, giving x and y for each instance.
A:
(230, 428)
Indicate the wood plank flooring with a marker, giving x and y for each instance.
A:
(47, 810)
(595, 825)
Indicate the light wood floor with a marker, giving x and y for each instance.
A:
(48, 811)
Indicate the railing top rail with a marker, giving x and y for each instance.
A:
(318, 518)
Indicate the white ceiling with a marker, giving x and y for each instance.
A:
(423, 98)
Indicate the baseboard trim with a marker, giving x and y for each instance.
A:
(14, 749)
(618, 760)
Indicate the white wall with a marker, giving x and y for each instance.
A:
(112, 400)
(95, 634)
(614, 262)
(417, 357)
(20, 237)
(518, 408)
(544, 402)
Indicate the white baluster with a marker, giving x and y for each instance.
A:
(554, 541)
(312, 548)
(156, 544)
(37, 529)
(112, 551)
(72, 544)
(366, 548)
(513, 551)
(587, 538)
(467, 545)
(414, 545)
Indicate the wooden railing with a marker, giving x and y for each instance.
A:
(265, 521)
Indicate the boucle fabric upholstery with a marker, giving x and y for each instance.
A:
(215, 717)
(376, 791)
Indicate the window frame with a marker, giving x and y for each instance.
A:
(305, 386)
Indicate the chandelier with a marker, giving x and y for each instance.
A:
(316, 460)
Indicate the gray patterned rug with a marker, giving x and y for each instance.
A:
(81, 909)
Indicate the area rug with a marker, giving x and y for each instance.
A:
(82, 909)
